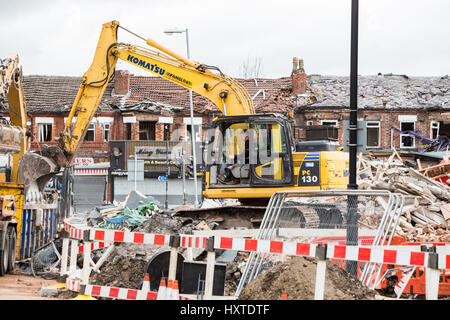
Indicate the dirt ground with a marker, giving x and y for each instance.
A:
(17, 286)
(296, 277)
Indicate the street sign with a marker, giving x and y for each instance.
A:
(162, 178)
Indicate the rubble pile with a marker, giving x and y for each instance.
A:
(296, 276)
(129, 214)
(425, 215)
(126, 266)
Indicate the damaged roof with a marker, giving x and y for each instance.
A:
(56, 94)
(156, 95)
(379, 92)
(159, 90)
(146, 94)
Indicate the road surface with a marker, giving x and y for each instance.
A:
(17, 286)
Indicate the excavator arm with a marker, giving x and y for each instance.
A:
(13, 138)
(227, 94)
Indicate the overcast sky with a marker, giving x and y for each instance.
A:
(403, 36)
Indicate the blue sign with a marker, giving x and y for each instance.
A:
(162, 178)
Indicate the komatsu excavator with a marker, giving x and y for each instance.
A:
(248, 156)
(14, 140)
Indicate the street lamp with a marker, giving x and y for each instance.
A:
(170, 32)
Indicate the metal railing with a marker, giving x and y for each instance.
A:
(326, 216)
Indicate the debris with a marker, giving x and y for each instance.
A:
(426, 200)
(296, 277)
(48, 292)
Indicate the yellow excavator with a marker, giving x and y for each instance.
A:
(14, 140)
(248, 156)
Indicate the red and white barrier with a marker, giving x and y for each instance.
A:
(396, 255)
(265, 246)
(129, 237)
(95, 246)
(74, 232)
(114, 292)
(378, 255)
(187, 241)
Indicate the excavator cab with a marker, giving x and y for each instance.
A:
(249, 151)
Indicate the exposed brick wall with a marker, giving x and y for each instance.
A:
(96, 149)
(298, 77)
(387, 118)
(121, 82)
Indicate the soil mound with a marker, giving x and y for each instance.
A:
(296, 277)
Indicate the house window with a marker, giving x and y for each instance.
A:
(197, 128)
(90, 133)
(107, 128)
(128, 126)
(197, 132)
(434, 129)
(44, 132)
(407, 141)
(309, 123)
(373, 134)
(147, 130)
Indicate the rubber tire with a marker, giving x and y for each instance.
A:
(4, 256)
(12, 236)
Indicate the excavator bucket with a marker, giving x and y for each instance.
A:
(35, 171)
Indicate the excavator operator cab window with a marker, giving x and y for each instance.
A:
(274, 164)
(247, 153)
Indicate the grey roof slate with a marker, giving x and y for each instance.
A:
(57, 94)
(379, 92)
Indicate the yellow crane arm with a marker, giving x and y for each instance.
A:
(226, 93)
(11, 86)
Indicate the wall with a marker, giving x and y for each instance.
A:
(387, 119)
(97, 149)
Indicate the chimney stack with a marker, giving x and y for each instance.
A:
(298, 77)
(121, 82)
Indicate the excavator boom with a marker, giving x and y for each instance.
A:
(13, 137)
(227, 94)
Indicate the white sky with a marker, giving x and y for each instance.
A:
(403, 36)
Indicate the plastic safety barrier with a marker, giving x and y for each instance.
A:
(433, 262)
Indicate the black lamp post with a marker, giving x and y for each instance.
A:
(352, 201)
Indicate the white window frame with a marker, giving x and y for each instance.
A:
(88, 129)
(43, 121)
(106, 128)
(405, 135)
(374, 124)
(309, 123)
(40, 132)
(434, 125)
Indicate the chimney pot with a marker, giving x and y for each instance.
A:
(300, 63)
(294, 64)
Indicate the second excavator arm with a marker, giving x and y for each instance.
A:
(13, 139)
